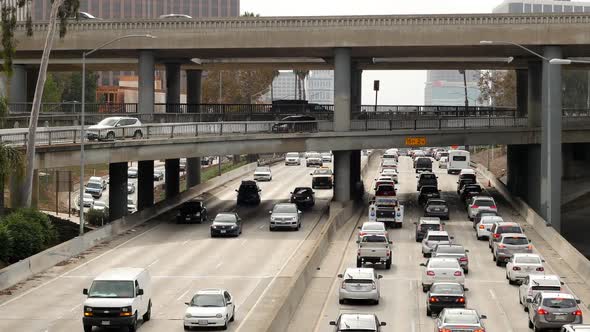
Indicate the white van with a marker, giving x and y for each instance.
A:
(458, 160)
(118, 298)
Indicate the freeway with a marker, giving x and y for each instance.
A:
(181, 259)
(403, 304)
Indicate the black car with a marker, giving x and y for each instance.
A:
(426, 193)
(295, 123)
(226, 224)
(464, 182)
(248, 193)
(469, 191)
(481, 214)
(158, 175)
(423, 164)
(445, 295)
(427, 179)
(192, 211)
(303, 197)
(436, 208)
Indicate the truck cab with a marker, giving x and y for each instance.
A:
(322, 178)
(374, 249)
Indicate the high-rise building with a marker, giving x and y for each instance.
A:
(318, 87)
(542, 6)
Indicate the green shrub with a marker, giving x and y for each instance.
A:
(27, 236)
(97, 218)
(5, 245)
(40, 218)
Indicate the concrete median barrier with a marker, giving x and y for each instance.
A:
(26, 268)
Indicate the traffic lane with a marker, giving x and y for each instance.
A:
(403, 304)
(162, 242)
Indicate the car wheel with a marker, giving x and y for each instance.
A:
(466, 271)
(526, 309)
(187, 328)
(428, 312)
(87, 328)
(531, 324)
(212, 235)
(359, 263)
(376, 302)
(133, 326)
(224, 327)
(388, 264)
(479, 238)
(148, 314)
(425, 288)
(494, 258)
(342, 301)
(498, 263)
(138, 134)
(233, 315)
(110, 135)
(270, 228)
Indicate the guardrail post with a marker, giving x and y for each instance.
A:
(171, 131)
(390, 121)
(489, 122)
(221, 128)
(49, 138)
(415, 124)
(147, 132)
(75, 135)
(464, 123)
(246, 127)
(439, 123)
(197, 129)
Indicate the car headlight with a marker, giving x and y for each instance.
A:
(88, 312)
(126, 311)
(272, 218)
(88, 309)
(234, 226)
(219, 315)
(188, 315)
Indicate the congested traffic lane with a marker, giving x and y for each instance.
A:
(181, 259)
(403, 304)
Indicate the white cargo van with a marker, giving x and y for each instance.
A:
(458, 160)
(118, 298)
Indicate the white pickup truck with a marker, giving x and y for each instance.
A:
(375, 249)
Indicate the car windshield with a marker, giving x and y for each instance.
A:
(94, 185)
(358, 281)
(509, 229)
(99, 204)
(262, 170)
(301, 191)
(248, 187)
(314, 155)
(450, 250)
(225, 218)
(108, 122)
(447, 263)
(385, 190)
(484, 202)
(461, 319)
(111, 289)
(284, 208)
(323, 171)
(558, 302)
(374, 239)
(454, 289)
(191, 207)
(437, 203)
(431, 227)
(547, 288)
(87, 196)
(527, 260)
(386, 156)
(207, 300)
(428, 177)
(515, 240)
(293, 155)
(438, 238)
(133, 169)
(429, 190)
(374, 227)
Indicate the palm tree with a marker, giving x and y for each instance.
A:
(11, 164)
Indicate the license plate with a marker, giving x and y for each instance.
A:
(203, 322)
(188, 218)
(222, 232)
(105, 322)
(560, 317)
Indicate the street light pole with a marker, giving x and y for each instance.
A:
(82, 131)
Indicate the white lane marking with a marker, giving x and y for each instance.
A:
(154, 262)
(74, 308)
(79, 266)
(185, 242)
(243, 243)
(506, 320)
(262, 226)
(413, 326)
(183, 294)
(218, 265)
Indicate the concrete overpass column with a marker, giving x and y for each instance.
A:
(535, 86)
(356, 86)
(521, 92)
(356, 187)
(193, 97)
(551, 155)
(145, 184)
(146, 80)
(117, 190)
(18, 84)
(172, 177)
(342, 176)
(342, 89)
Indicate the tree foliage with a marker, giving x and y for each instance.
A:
(26, 236)
(498, 88)
(71, 86)
(237, 86)
(11, 165)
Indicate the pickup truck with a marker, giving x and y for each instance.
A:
(375, 249)
(387, 210)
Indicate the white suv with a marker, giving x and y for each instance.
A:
(480, 203)
(115, 127)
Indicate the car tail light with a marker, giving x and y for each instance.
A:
(343, 286)
(430, 273)
(496, 236)
(463, 259)
(458, 273)
(501, 246)
(492, 207)
(358, 253)
(481, 226)
(388, 253)
(461, 300)
(475, 206)
(577, 313)
(516, 268)
(433, 299)
(362, 233)
(530, 247)
(444, 330)
(542, 312)
(541, 269)
(374, 285)
(479, 330)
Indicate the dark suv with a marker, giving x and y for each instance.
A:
(427, 179)
(295, 124)
(426, 193)
(192, 211)
(248, 193)
(303, 197)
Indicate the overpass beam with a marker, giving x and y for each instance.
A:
(535, 87)
(117, 190)
(521, 92)
(172, 177)
(18, 84)
(145, 184)
(193, 99)
(342, 171)
(342, 88)
(551, 154)
(146, 82)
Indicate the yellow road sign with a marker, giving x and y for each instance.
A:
(416, 141)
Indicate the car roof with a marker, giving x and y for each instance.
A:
(557, 295)
(429, 220)
(443, 259)
(461, 311)
(121, 273)
(433, 200)
(450, 245)
(466, 171)
(285, 204)
(507, 223)
(359, 273)
(248, 182)
(519, 235)
(212, 291)
(372, 223)
(522, 255)
(437, 233)
(487, 198)
(358, 321)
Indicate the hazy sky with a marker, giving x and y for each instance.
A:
(397, 87)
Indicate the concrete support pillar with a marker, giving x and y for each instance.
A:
(193, 172)
(524, 173)
(172, 87)
(193, 87)
(145, 184)
(342, 89)
(342, 169)
(535, 86)
(146, 82)
(18, 84)
(117, 190)
(356, 187)
(522, 90)
(356, 88)
(172, 177)
(551, 138)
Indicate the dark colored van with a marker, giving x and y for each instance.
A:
(248, 193)
(423, 164)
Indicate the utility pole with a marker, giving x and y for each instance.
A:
(464, 72)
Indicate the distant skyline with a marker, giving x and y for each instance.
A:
(397, 87)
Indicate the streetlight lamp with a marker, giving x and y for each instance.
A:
(82, 134)
(551, 205)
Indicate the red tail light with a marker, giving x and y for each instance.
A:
(542, 312)
(362, 233)
(463, 259)
(433, 299)
(430, 273)
(358, 253)
(388, 253)
(343, 286)
(374, 285)
(458, 273)
(444, 330)
(496, 236)
(492, 207)
(481, 226)
(501, 246)
(461, 300)
(479, 330)
(516, 268)
(541, 269)
(577, 313)
(530, 247)
(474, 206)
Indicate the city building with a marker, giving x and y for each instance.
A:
(542, 6)
(447, 88)
(318, 87)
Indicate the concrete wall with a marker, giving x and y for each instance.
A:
(44, 260)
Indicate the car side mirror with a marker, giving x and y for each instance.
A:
(187, 303)
(269, 212)
(358, 241)
(529, 300)
(578, 301)
(466, 250)
(299, 212)
(229, 302)
(383, 324)
(312, 174)
(140, 291)
(483, 317)
(422, 264)
(359, 227)
(340, 276)
(452, 237)
(291, 193)
(379, 277)
(333, 323)
(562, 283)
(390, 242)
(259, 190)
(542, 261)
(85, 291)
(465, 289)
(236, 190)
